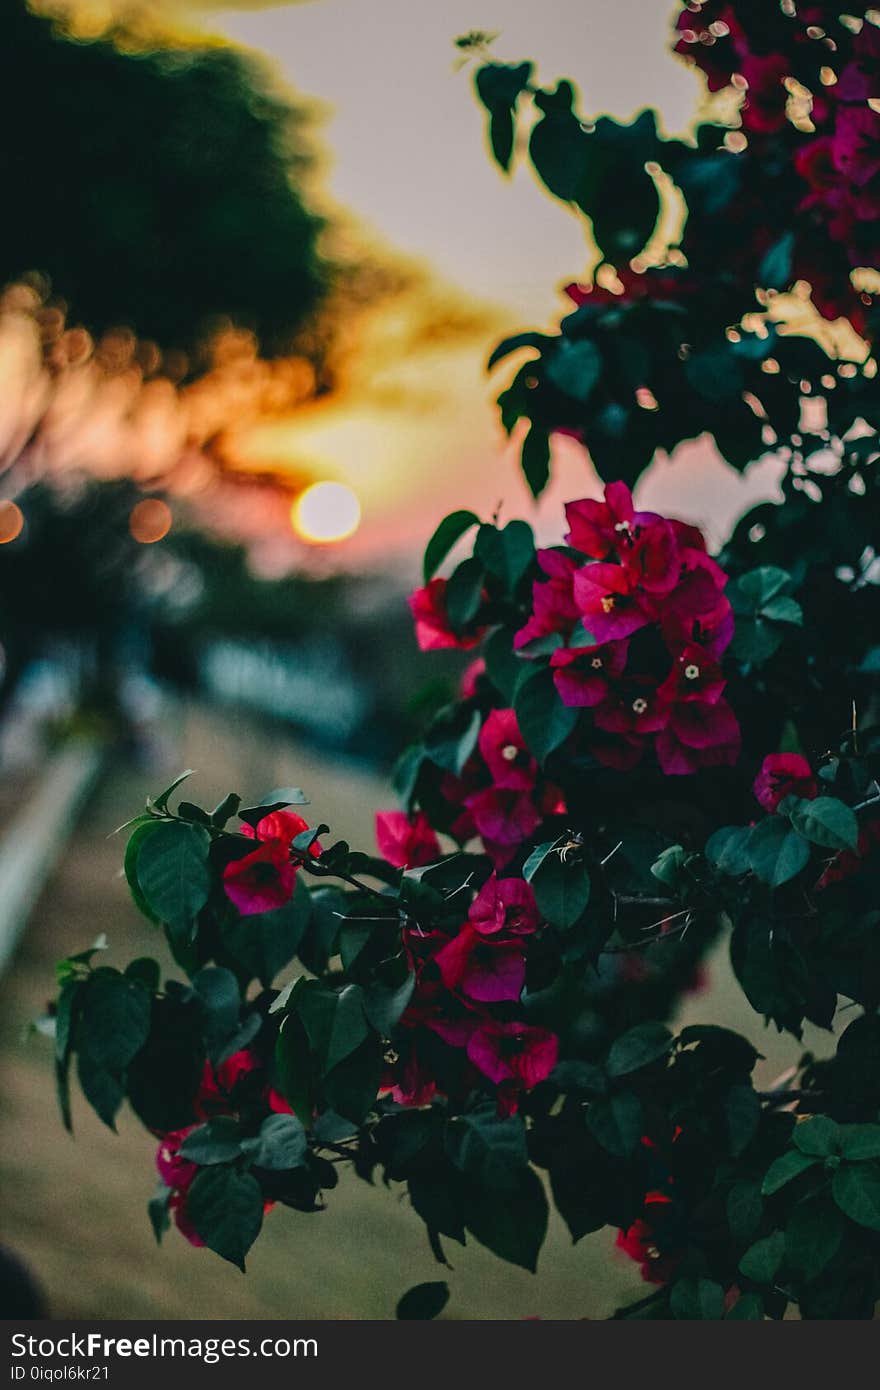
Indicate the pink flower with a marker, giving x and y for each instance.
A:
(856, 143)
(177, 1207)
(433, 629)
(632, 707)
(694, 676)
(782, 775)
(698, 735)
(261, 881)
(265, 879)
(553, 605)
(513, 1052)
(470, 677)
(215, 1096)
(599, 528)
(173, 1170)
(504, 905)
(407, 843)
(480, 968)
(505, 753)
(582, 675)
(652, 561)
(608, 602)
(503, 819)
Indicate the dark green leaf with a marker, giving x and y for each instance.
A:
(785, 1169)
(776, 852)
(860, 1142)
(813, 1236)
(642, 1045)
(450, 530)
(536, 459)
(280, 1145)
(226, 1208)
(561, 888)
(218, 1141)
(762, 1260)
(512, 1223)
(423, 1302)
(464, 593)
(617, 1122)
(828, 822)
(728, 851)
(544, 721)
(575, 368)
(856, 1190)
(818, 1136)
(697, 1300)
(173, 872)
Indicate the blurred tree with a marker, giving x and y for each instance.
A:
(157, 189)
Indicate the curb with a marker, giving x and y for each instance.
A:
(35, 838)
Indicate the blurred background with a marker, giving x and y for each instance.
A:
(252, 264)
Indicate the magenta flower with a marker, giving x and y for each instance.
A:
(782, 775)
(634, 706)
(599, 528)
(505, 753)
(608, 602)
(433, 629)
(698, 735)
(856, 143)
(652, 562)
(513, 1052)
(261, 881)
(480, 968)
(582, 675)
(553, 605)
(406, 842)
(504, 905)
(694, 676)
(173, 1170)
(503, 819)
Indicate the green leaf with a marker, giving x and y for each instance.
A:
(748, 1306)
(384, 1007)
(488, 1149)
(574, 368)
(145, 972)
(512, 1223)
(617, 1123)
(450, 530)
(157, 1210)
(762, 1260)
(667, 866)
(818, 1136)
(173, 873)
(226, 1208)
(115, 1019)
(859, 1142)
(280, 1145)
(217, 989)
(561, 889)
(136, 841)
(828, 822)
(757, 587)
(777, 853)
(513, 344)
(642, 1045)
(464, 593)
(856, 1190)
(783, 610)
(451, 741)
(536, 459)
(160, 802)
(697, 1300)
(295, 1067)
(742, 1112)
(785, 1169)
(813, 1236)
(499, 86)
(727, 850)
(217, 1141)
(423, 1302)
(352, 1086)
(544, 721)
(506, 552)
(744, 1210)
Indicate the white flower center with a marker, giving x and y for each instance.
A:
(608, 602)
(596, 663)
(640, 705)
(691, 672)
(509, 752)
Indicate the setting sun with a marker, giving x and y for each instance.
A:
(326, 512)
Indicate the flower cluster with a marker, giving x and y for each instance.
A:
(808, 79)
(645, 625)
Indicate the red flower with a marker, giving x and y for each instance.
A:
(553, 605)
(608, 602)
(632, 707)
(639, 1241)
(698, 735)
(470, 677)
(652, 561)
(694, 676)
(599, 528)
(848, 862)
(486, 970)
(582, 675)
(406, 842)
(503, 819)
(513, 1052)
(433, 629)
(504, 905)
(173, 1170)
(505, 753)
(262, 881)
(782, 775)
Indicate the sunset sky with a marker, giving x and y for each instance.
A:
(415, 433)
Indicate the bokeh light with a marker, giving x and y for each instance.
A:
(150, 520)
(326, 512)
(11, 522)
